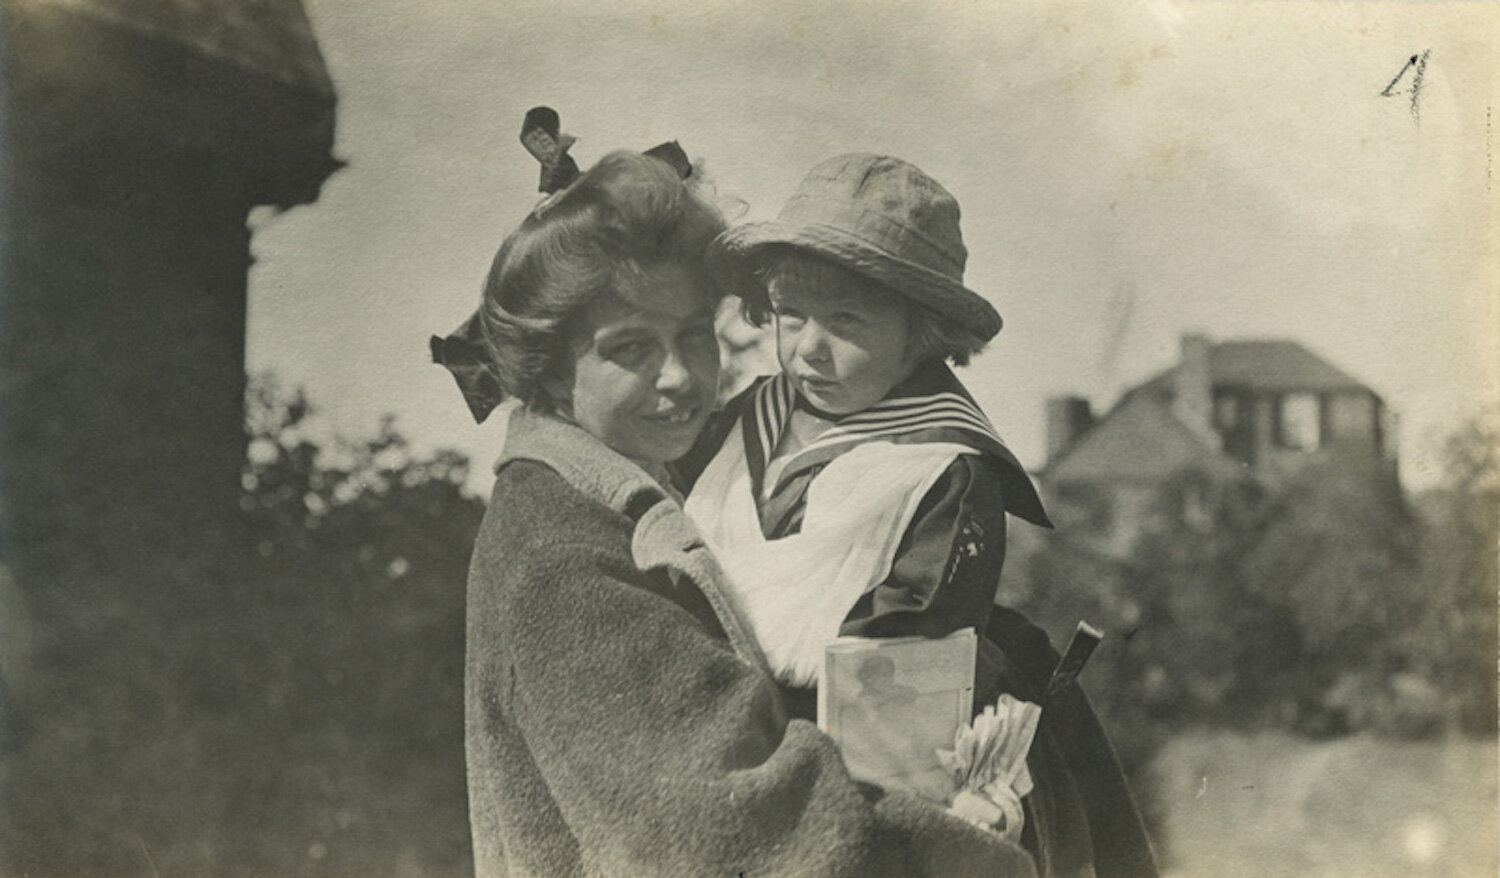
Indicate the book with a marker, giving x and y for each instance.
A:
(891, 703)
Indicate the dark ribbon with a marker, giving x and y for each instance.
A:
(462, 352)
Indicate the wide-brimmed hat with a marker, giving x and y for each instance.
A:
(879, 216)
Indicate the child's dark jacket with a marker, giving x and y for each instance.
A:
(947, 567)
(1082, 820)
(618, 725)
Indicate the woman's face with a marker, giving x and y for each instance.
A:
(645, 366)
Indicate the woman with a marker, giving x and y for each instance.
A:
(620, 720)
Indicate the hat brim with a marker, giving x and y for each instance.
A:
(731, 259)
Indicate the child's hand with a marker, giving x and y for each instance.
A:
(1004, 817)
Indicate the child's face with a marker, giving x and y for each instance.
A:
(843, 345)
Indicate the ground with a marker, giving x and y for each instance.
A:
(1270, 805)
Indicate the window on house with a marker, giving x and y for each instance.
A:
(1233, 419)
(1298, 421)
(1227, 412)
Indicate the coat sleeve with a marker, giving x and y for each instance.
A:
(666, 754)
(947, 567)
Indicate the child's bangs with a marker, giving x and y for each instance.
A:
(794, 268)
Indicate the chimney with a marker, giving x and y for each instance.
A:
(1193, 401)
(1388, 425)
(1068, 417)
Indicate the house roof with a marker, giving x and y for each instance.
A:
(1141, 436)
(272, 38)
(1275, 365)
(1139, 439)
(1271, 365)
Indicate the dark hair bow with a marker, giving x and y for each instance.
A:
(462, 352)
(541, 134)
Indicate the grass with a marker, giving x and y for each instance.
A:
(1272, 805)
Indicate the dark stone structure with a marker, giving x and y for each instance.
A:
(138, 135)
(135, 138)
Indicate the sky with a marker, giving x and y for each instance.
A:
(1127, 172)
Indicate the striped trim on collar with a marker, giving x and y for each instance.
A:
(954, 414)
(931, 406)
(909, 415)
(772, 410)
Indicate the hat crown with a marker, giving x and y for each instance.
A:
(887, 202)
(878, 216)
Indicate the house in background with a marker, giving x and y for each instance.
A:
(1264, 414)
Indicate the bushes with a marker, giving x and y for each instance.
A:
(363, 551)
(1326, 608)
(282, 697)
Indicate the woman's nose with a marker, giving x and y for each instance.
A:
(674, 375)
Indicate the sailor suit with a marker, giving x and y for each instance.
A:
(889, 522)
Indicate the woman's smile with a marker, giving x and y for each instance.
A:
(675, 416)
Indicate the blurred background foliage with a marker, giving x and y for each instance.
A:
(284, 701)
(1329, 609)
(288, 700)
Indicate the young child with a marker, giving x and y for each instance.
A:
(861, 490)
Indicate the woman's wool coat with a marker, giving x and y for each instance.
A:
(619, 719)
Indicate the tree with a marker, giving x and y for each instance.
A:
(357, 612)
(1454, 643)
(278, 693)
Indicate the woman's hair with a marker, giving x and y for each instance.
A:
(626, 215)
(930, 335)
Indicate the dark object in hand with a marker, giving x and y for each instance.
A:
(1085, 638)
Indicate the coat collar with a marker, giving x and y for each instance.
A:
(583, 461)
(663, 538)
(931, 405)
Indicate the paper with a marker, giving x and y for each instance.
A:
(892, 703)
